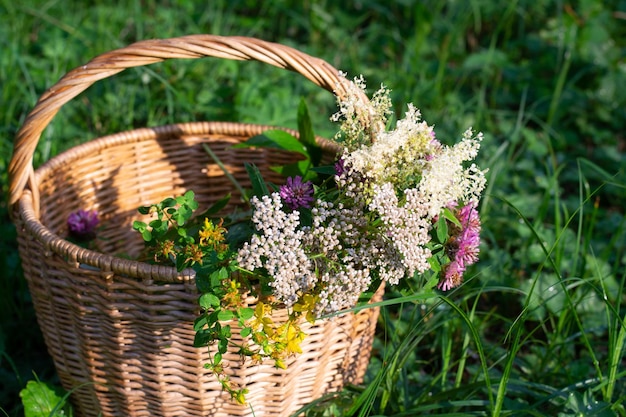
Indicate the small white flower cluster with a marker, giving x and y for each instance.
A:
(342, 288)
(278, 248)
(329, 252)
(335, 238)
(407, 228)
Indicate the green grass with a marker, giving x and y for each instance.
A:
(539, 327)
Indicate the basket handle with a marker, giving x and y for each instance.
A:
(21, 170)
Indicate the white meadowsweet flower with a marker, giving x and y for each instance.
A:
(397, 154)
(446, 179)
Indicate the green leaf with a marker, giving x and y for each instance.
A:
(434, 264)
(168, 202)
(239, 233)
(246, 313)
(222, 345)
(217, 277)
(325, 170)
(442, 229)
(217, 358)
(208, 301)
(277, 139)
(245, 332)
(259, 188)
(448, 215)
(41, 399)
(186, 198)
(184, 214)
(212, 319)
(139, 226)
(216, 207)
(146, 235)
(156, 224)
(225, 315)
(223, 273)
(586, 405)
(199, 323)
(202, 338)
(432, 282)
(307, 136)
(182, 263)
(144, 209)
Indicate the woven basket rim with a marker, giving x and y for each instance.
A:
(110, 264)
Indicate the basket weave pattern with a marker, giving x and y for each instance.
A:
(121, 331)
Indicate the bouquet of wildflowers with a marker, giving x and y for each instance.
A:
(396, 204)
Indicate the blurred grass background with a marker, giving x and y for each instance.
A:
(539, 327)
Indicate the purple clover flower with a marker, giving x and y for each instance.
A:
(469, 239)
(340, 167)
(463, 248)
(82, 224)
(297, 194)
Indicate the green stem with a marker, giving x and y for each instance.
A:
(560, 82)
(223, 168)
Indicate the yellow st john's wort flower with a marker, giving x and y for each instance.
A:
(295, 336)
(280, 364)
(232, 297)
(291, 336)
(306, 304)
(241, 396)
(212, 235)
(193, 254)
(260, 318)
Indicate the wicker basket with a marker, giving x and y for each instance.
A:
(120, 331)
